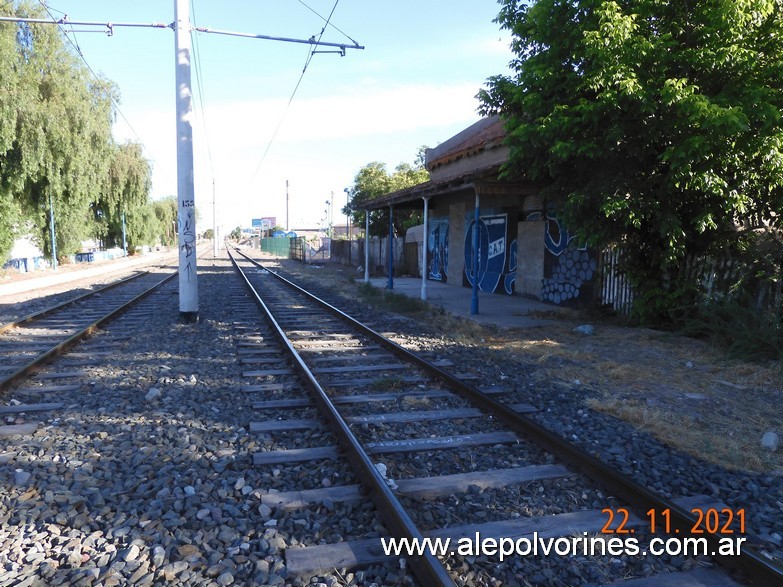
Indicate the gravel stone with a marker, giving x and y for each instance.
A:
(153, 394)
(770, 441)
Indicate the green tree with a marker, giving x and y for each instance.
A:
(652, 124)
(55, 133)
(166, 215)
(374, 181)
(142, 227)
(125, 191)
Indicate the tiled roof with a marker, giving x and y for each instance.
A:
(483, 135)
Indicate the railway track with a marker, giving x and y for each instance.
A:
(29, 342)
(194, 454)
(408, 427)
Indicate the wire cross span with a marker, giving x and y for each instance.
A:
(110, 26)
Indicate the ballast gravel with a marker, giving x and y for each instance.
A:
(126, 486)
(145, 475)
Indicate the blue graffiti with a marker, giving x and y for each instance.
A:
(491, 251)
(556, 236)
(438, 249)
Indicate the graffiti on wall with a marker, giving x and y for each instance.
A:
(438, 248)
(567, 266)
(493, 271)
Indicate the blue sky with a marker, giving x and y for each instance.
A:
(414, 84)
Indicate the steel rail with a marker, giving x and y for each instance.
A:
(750, 562)
(76, 337)
(45, 312)
(427, 568)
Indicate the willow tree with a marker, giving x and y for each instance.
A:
(55, 134)
(166, 215)
(124, 191)
(650, 123)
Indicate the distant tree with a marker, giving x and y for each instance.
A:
(143, 227)
(166, 215)
(652, 124)
(236, 234)
(209, 234)
(374, 181)
(125, 189)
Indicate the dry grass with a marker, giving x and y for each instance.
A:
(728, 448)
(676, 388)
(421, 401)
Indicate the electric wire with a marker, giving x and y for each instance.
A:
(310, 54)
(74, 43)
(346, 35)
(200, 86)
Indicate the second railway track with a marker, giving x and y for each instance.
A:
(421, 427)
(27, 343)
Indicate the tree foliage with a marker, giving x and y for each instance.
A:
(374, 181)
(125, 190)
(56, 147)
(649, 123)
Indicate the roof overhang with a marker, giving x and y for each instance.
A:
(485, 182)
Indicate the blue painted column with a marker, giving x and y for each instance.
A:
(390, 283)
(474, 300)
(424, 269)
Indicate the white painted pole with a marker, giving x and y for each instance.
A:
(424, 270)
(214, 222)
(186, 201)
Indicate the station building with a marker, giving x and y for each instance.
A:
(521, 248)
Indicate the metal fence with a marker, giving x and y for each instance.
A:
(616, 290)
(318, 250)
(280, 247)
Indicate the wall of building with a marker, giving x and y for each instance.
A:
(569, 274)
(455, 262)
(530, 258)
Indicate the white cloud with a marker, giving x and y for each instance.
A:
(322, 142)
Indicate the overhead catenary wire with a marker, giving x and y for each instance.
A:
(74, 43)
(310, 54)
(328, 23)
(110, 26)
(200, 86)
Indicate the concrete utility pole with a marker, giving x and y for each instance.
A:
(214, 222)
(186, 199)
